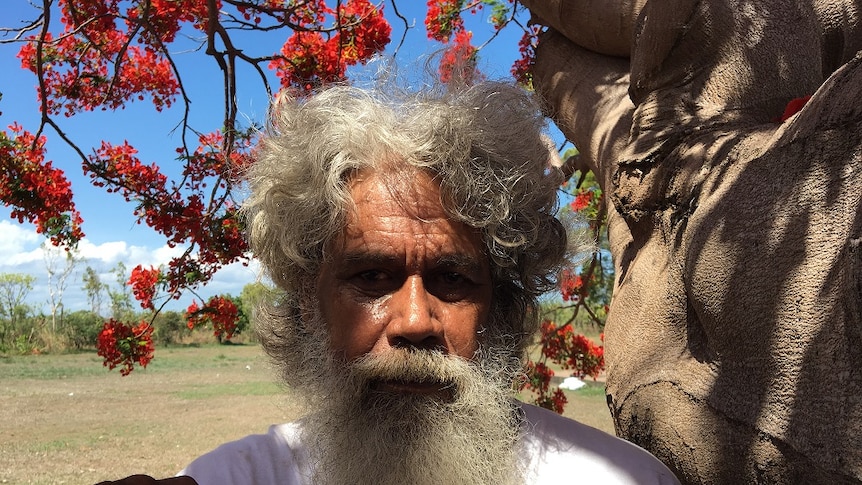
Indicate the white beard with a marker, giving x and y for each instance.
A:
(362, 436)
(358, 435)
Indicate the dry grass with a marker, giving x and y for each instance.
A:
(68, 420)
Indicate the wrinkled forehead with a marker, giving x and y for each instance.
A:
(407, 202)
(413, 190)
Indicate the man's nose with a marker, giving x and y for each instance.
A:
(415, 322)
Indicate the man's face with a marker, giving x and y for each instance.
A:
(403, 275)
(402, 296)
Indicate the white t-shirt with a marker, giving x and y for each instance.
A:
(558, 449)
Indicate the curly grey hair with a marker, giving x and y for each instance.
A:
(483, 143)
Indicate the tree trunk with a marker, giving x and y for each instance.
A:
(734, 339)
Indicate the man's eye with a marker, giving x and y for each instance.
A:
(452, 278)
(374, 282)
(372, 276)
(451, 286)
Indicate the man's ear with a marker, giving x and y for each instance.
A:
(147, 480)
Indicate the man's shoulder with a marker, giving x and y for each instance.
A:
(558, 447)
(554, 428)
(273, 457)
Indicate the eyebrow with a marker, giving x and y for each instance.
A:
(366, 257)
(461, 261)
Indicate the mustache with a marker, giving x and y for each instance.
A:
(413, 365)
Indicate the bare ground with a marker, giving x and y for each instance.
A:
(68, 420)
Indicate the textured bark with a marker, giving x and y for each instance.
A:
(578, 21)
(734, 340)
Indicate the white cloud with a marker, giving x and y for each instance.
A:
(110, 252)
(21, 251)
(231, 279)
(14, 238)
(161, 255)
(23, 258)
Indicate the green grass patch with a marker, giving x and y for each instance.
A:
(199, 357)
(592, 389)
(51, 366)
(237, 389)
(89, 364)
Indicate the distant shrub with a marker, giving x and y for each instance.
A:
(82, 328)
(170, 328)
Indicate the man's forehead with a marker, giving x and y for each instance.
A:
(390, 212)
(389, 191)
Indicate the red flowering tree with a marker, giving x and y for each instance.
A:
(101, 55)
(90, 55)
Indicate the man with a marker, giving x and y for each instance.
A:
(411, 236)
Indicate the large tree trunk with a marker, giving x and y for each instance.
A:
(734, 340)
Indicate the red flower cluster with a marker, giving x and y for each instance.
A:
(794, 106)
(582, 200)
(522, 69)
(459, 59)
(122, 345)
(589, 201)
(572, 351)
(143, 282)
(180, 213)
(443, 19)
(94, 63)
(538, 381)
(571, 285)
(314, 55)
(443, 23)
(219, 311)
(37, 191)
(568, 350)
(163, 18)
(556, 401)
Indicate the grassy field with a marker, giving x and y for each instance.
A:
(69, 420)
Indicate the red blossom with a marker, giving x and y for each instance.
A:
(192, 315)
(522, 69)
(555, 402)
(122, 345)
(217, 234)
(219, 311)
(584, 356)
(312, 57)
(444, 19)
(794, 106)
(143, 282)
(78, 77)
(571, 285)
(582, 200)
(571, 351)
(459, 59)
(539, 377)
(37, 192)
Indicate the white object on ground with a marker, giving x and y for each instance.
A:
(572, 383)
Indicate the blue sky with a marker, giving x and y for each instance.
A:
(112, 232)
